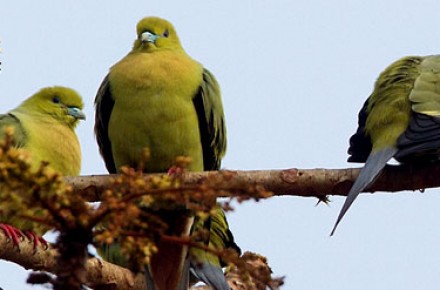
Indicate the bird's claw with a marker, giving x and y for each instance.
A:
(12, 233)
(16, 236)
(175, 171)
(324, 199)
(37, 240)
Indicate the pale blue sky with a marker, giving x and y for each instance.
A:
(294, 75)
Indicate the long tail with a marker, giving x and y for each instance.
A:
(373, 166)
(205, 266)
(211, 275)
(149, 279)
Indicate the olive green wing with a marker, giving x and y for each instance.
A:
(386, 113)
(209, 108)
(221, 236)
(421, 140)
(10, 120)
(207, 266)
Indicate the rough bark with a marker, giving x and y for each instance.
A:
(99, 272)
(294, 182)
(291, 182)
(101, 275)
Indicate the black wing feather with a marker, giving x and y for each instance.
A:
(421, 140)
(103, 108)
(360, 143)
(207, 103)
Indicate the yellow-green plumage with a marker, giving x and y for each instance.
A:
(158, 97)
(389, 108)
(44, 126)
(177, 133)
(204, 264)
(218, 236)
(399, 119)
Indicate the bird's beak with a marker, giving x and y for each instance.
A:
(148, 37)
(76, 113)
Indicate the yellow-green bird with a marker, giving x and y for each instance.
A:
(44, 126)
(158, 97)
(400, 119)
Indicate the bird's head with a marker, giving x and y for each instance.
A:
(154, 33)
(61, 103)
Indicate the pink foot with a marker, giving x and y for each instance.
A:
(36, 239)
(175, 171)
(12, 233)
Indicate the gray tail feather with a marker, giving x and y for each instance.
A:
(150, 281)
(211, 275)
(373, 166)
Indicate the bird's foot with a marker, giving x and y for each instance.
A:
(37, 240)
(175, 171)
(12, 233)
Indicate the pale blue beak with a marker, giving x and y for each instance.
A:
(76, 113)
(149, 37)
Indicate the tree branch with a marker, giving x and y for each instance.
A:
(99, 272)
(293, 182)
(101, 275)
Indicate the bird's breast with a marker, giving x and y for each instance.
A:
(160, 74)
(154, 109)
(55, 143)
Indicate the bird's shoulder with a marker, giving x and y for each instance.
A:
(421, 139)
(425, 94)
(48, 139)
(11, 120)
(395, 83)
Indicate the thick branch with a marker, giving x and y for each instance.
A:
(296, 182)
(99, 272)
(101, 275)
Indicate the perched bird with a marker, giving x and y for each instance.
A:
(400, 120)
(44, 126)
(158, 97)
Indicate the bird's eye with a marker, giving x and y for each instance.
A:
(56, 100)
(166, 33)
